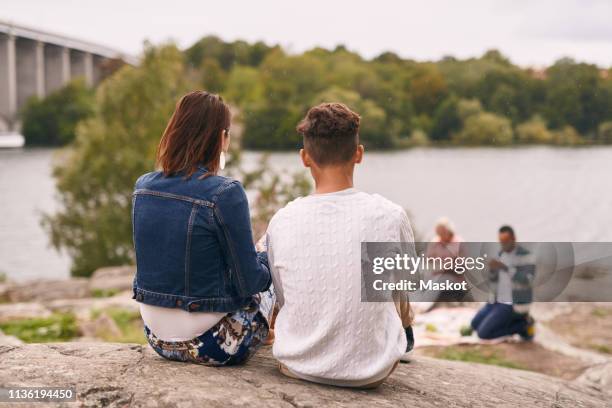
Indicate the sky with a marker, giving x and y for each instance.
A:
(530, 33)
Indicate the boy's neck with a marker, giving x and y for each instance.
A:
(332, 179)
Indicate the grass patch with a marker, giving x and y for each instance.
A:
(57, 327)
(129, 323)
(476, 355)
(3, 277)
(601, 312)
(104, 293)
(602, 348)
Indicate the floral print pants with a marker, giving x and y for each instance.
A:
(233, 340)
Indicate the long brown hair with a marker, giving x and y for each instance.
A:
(194, 135)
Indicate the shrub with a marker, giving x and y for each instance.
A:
(485, 128)
(567, 136)
(534, 131)
(604, 132)
(53, 120)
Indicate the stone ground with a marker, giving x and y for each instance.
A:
(526, 356)
(117, 375)
(572, 344)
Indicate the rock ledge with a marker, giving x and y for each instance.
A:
(117, 375)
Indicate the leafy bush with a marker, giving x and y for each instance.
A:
(604, 133)
(534, 131)
(567, 136)
(53, 120)
(485, 129)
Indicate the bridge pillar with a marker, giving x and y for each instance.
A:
(26, 70)
(97, 64)
(89, 69)
(8, 82)
(40, 69)
(66, 68)
(53, 68)
(77, 64)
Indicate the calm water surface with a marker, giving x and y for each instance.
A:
(547, 194)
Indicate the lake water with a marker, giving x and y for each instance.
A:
(547, 194)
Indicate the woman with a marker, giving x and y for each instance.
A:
(204, 291)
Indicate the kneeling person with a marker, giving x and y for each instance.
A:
(324, 332)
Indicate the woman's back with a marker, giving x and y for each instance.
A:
(193, 243)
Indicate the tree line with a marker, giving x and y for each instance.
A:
(477, 101)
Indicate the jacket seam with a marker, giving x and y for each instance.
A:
(222, 188)
(133, 222)
(174, 196)
(190, 298)
(232, 252)
(188, 248)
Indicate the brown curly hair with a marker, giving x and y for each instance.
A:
(331, 133)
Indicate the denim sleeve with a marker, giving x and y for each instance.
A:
(251, 271)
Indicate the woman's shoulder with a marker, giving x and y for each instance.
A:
(227, 187)
(142, 181)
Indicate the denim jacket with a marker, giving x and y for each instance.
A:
(193, 242)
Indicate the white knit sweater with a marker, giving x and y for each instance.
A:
(324, 332)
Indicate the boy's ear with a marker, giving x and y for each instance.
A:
(306, 160)
(358, 154)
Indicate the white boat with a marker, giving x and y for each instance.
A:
(11, 140)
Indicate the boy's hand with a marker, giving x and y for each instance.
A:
(496, 264)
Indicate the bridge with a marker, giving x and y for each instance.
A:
(35, 62)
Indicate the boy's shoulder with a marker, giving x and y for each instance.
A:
(287, 211)
(385, 205)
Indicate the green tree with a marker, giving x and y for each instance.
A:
(113, 147)
(485, 128)
(213, 76)
(271, 127)
(428, 88)
(244, 87)
(577, 96)
(446, 120)
(227, 54)
(468, 107)
(52, 120)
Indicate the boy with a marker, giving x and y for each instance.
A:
(324, 332)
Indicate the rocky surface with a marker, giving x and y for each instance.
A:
(112, 279)
(116, 375)
(80, 307)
